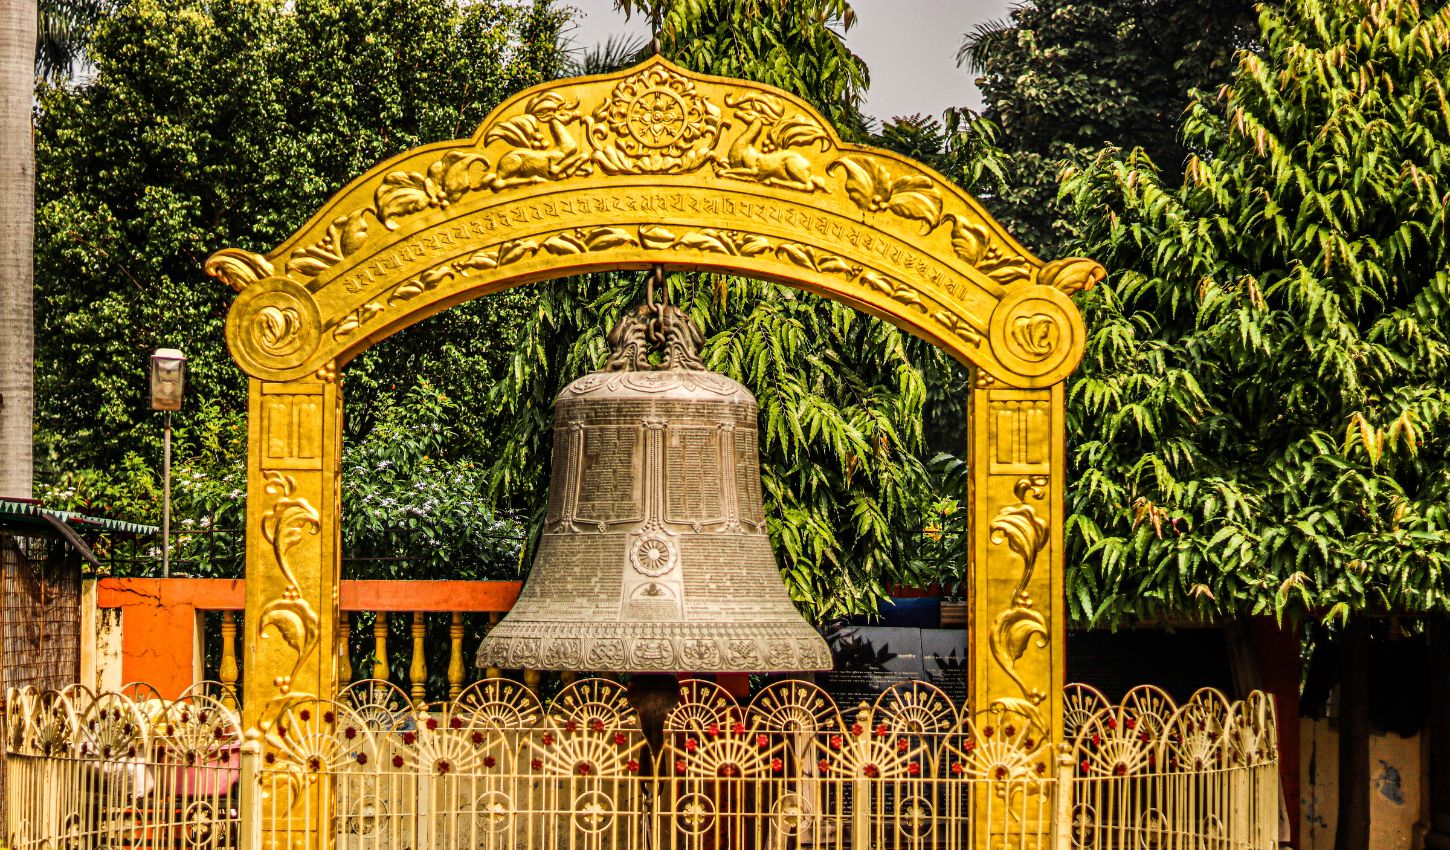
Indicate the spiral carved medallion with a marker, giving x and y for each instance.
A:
(280, 326)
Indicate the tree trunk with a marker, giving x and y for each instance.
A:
(1439, 732)
(17, 235)
(1353, 829)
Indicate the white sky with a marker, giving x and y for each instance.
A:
(909, 45)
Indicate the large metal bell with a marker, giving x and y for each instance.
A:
(654, 556)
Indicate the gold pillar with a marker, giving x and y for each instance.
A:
(1017, 458)
(293, 558)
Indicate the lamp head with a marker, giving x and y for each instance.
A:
(168, 379)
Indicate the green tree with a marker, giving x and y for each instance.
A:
(1264, 402)
(229, 123)
(1063, 78)
(1263, 416)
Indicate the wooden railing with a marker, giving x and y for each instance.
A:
(159, 631)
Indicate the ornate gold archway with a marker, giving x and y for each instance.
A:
(655, 165)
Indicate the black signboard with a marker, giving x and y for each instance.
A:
(870, 659)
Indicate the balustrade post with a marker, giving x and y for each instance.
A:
(380, 646)
(418, 670)
(227, 670)
(250, 798)
(1062, 812)
(455, 655)
(344, 649)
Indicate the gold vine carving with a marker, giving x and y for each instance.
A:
(582, 240)
(1019, 626)
(290, 615)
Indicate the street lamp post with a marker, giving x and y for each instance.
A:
(168, 379)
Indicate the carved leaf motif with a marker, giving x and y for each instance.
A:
(969, 240)
(349, 231)
(878, 282)
(564, 243)
(283, 527)
(973, 242)
(706, 240)
(873, 188)
(454, 175)
(401, 193)
(296, 622)
(958, 326)
(834, 265)
(500, 255)
(344, 236)
(579, 241)
(656, 238)
(485, 259)
(415, 286)
(605, 238)
(1012, 632)
(1072, 275)
(237, 268)
(512, 252)
(808, 257)
(750, 244)
(725, 242)
(356, 319)
(894, 288)
(801, 255)
(1022, 708)
(1024, 532)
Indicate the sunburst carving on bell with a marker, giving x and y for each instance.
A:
(654, 555)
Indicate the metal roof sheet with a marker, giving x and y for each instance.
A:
(25, 511)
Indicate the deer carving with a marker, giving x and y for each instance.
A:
(545, 149)
(762, 150)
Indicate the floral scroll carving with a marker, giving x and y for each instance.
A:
(1020, 626)
(290, 615)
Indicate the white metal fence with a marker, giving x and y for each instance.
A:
(497, 769)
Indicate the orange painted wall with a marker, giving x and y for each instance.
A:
(158, 616)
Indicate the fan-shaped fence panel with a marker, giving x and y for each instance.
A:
(1151, 774)
(497, 769)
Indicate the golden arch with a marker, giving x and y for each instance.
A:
(655, 165)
